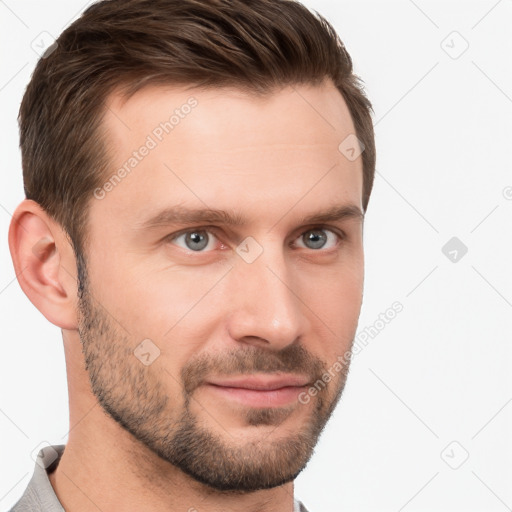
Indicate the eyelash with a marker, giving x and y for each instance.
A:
(212, 230)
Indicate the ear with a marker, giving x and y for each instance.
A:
(44, 263)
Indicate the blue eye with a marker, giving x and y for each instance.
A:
(195, 240)
(318, 239)
(203, 240)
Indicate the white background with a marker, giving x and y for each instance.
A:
(440, 371)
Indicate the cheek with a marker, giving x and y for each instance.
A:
(336, 300)
(172, 304)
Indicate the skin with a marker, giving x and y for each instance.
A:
(294, 309)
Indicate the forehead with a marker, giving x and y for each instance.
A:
(224, 148)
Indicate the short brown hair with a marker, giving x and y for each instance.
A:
(253, 45)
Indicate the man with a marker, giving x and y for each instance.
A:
(200, 378)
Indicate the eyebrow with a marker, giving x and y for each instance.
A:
(187, 216)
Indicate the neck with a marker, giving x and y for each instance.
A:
(96, 475)
(105, 468)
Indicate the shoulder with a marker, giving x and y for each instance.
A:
(299, 507)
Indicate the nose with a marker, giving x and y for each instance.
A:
(267, 309)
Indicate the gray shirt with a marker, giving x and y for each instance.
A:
(39, 495)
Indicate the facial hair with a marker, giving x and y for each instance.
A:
(134, 395)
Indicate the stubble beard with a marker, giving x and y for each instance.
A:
(135, 397)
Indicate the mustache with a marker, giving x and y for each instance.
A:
(248, 360)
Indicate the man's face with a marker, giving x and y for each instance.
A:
(202, 337)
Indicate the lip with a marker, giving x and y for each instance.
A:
(259, 390)
(262, 382)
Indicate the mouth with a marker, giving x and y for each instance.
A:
(260, 390)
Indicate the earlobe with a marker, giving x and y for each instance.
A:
(44, 264)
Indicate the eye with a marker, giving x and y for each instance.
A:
(195, 240)
(203, 240)
(316, 238)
